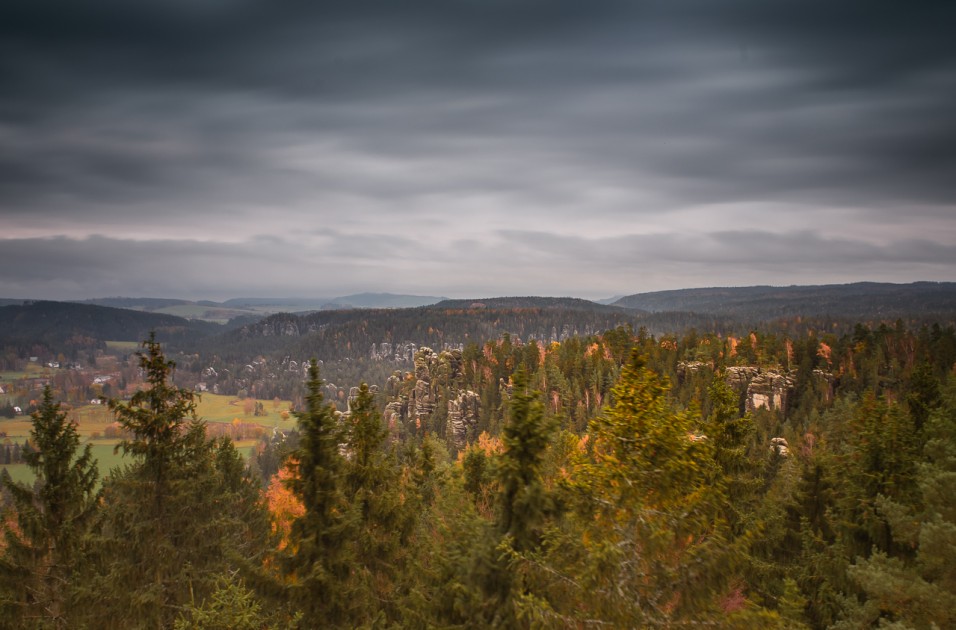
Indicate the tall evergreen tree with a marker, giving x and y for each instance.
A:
(500, 589)
(730, 435)
(316, 565)
(378, 513)
(52, 518)
(183, 513)
(648, 512)
(523, 501)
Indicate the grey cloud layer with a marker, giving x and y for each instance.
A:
(427, 123)
(513, 263)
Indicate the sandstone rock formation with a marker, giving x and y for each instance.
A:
(761, 389)
(433, 386)
(769, 390)
(779, 446)
(463, 417)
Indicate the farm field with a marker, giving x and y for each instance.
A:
(32, 370)
(92, 421)
(127, 346)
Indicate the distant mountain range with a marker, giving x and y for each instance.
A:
(522, 302)
(861, 300)
(347, 327)
(255, 307)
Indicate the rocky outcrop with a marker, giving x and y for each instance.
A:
(739, 377)
(396, 412)
(769, 390)
(433, 387)
(825, 382)
(780, 447)
(760, 389)
(463, 417)
(421, 400)
(687, 369)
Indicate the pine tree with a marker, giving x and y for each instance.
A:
(181, 514)
(653, 545)
(378, 514)
(918, 589)
(523, 502)
(729, 435)
(52, 518)
(503, 583)
(232, 606)
(316, 565)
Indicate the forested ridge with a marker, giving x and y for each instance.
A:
(860, 300)
(797, 474)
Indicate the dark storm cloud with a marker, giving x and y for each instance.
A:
(394, 128)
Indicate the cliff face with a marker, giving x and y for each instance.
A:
(769, 390)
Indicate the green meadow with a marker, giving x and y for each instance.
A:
(92, 421)
(126, 346)
(31, 370)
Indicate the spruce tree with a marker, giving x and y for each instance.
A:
(523, 502)
(503, 573)
(379, 515)
(653, 543)
(180, 515)
(38, 565)
(729, 435)
(918, 589)
(316, 564)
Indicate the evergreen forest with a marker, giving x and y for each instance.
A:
(799, 473)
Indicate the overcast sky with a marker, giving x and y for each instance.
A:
(471, 148)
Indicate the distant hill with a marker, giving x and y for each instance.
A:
(610, 300)
(340, 334)
(381, 300)
(68, 323)
(862, 300)
(244, 308)
(523, 302)
(293, 303)
(137, 303)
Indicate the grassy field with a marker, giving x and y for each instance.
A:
(125, 346)
(19, 473)
(30, 371)
(92, 421)
(218, 408)
(205, 313)
(17, 429)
